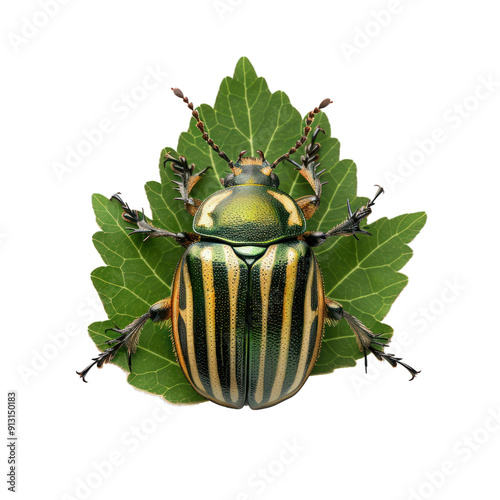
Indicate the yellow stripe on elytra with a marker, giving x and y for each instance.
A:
(233, 279)
(291, 277)
(209, 290)
(321, 317)
(187, 316)
(266, 271)
(290, 207)
(209, 206)
(310, 315)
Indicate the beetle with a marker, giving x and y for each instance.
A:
(248, 305)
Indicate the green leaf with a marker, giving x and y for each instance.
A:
(362, 275)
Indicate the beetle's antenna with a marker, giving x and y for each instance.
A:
(310, 117)
(201, 127)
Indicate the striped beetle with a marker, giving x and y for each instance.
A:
(248, 305)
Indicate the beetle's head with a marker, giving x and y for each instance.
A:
(251, 170)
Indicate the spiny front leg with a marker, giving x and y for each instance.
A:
(129, 336)
(364, 337)
(351, 225)
(188, 180)
(347, 228)
(308, 170)
(149, 231)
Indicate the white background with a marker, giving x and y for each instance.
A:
(355, 436)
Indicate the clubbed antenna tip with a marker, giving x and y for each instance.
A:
(324, 103)
(178, 92)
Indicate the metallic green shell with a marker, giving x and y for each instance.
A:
(249, 214)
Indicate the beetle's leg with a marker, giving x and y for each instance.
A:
(308, 170)
(351, 225)
(364, 337)
(188, 180)
(149, 231)
(347, 228)
(129, 336)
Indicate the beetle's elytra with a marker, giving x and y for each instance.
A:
(248, 305)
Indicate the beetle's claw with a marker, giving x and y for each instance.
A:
(308, 168)
(380, 190)
(367, 341)
(351, 225)
(393, 361)
(317, 130)
(349, 211)
(185, 171)
(117, 197)
(129, 215)
(103, 357)
(128, 338)
(82, 375)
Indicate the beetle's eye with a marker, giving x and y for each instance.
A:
(275, 179)
(228, 181)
